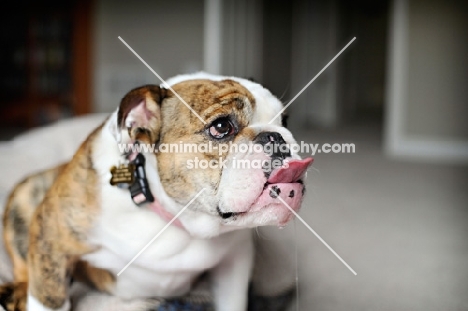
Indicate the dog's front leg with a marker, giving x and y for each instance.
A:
(48, 282)
(231, 277)
(53, 251)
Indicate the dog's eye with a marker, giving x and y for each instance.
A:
(221, 128)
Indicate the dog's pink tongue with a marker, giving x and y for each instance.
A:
(292, 173)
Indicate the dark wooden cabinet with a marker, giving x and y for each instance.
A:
(45, 62)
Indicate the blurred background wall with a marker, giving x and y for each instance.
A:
(427, 78)
(168, 35)
(405, 73)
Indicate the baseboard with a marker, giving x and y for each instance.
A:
(437, 151)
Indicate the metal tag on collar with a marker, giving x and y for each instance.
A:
(139, 189)
(123, 175)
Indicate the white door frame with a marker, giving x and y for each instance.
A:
(397, 143)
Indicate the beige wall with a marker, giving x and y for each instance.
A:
(168, 35)
(427, 79)
(437, 105)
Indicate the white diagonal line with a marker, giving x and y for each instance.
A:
(313, 231)
(162, 80)
(313, 79)
(159, 233)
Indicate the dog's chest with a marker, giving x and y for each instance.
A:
(165, 266)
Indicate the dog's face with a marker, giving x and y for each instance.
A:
(242, 162)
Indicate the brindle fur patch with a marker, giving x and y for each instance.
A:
(13, 296)
(100, 279)
(49, 216)
(19, 209)
(45, 241)
(211, 100)
(58, 230)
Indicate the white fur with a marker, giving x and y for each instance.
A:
(174, 260)
(35, 305)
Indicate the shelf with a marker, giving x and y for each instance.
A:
(46, 63)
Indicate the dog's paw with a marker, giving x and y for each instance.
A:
(13, 296)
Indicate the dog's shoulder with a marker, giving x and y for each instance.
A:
(29, 194)
(21, 204)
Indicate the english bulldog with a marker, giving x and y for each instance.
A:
(148, 222)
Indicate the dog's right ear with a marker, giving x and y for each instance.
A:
(139, 113)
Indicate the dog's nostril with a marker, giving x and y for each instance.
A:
(275, 191)
(269, 137)
(274, 144)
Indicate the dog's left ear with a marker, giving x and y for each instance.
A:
(140, 113)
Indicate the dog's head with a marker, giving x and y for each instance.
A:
(243, 164)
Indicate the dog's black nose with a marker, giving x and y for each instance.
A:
(273, 144)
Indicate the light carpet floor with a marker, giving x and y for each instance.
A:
(403, 227)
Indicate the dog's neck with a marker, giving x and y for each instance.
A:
(111, 136)
(106, 153)
(165, 214)
(155, 206)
